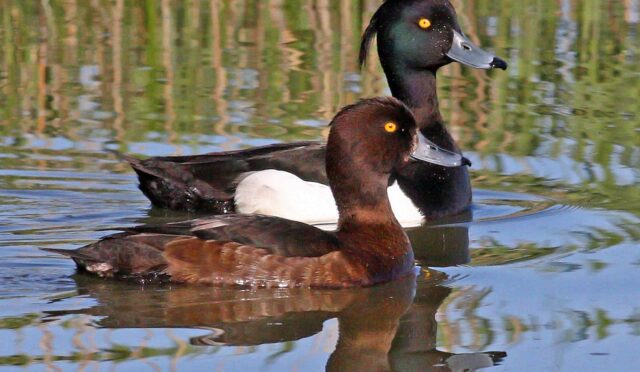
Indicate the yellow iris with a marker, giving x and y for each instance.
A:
(424, 23)
(390, 127)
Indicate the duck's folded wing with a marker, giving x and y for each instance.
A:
(275, 235)
(207, 182)
(189, 259)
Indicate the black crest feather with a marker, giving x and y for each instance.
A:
(374, 26)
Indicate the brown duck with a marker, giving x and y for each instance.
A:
(369, 144)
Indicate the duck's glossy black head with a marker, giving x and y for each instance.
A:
(422, 34)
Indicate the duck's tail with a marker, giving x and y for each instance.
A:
(120, 254)
(141, 169)
(160, 183)
(69, 253)
(173, 185)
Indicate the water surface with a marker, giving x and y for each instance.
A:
(541, 275)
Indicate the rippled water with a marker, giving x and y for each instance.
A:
(542, 275)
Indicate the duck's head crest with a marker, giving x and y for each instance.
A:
(371, 31)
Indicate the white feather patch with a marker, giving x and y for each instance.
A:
(282, 194)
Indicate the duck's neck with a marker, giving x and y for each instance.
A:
(370, 235)
(367, 224)
(418, 90)
(354, 218)
(368, 232)
(363, 203)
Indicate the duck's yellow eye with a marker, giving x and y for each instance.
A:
(390, 127)
(424, 23)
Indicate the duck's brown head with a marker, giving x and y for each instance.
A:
(368, 141)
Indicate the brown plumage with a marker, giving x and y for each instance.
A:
(369, 246)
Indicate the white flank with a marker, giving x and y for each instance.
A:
(282, 194)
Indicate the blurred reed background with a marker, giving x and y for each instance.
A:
(161, 77)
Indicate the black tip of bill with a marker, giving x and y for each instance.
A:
(467, 53)
(499, 63)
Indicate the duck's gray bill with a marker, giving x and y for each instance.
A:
(464, 51)
(431, 153)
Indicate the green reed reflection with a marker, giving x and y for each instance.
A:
(183, 67)
(173, 71)
(461, 323)
(248, 318)
(570, 93)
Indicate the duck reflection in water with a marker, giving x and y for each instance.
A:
(442, 243)
(388, 327)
